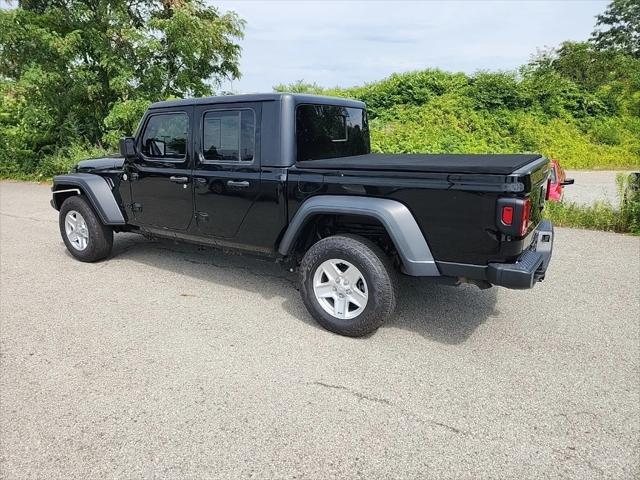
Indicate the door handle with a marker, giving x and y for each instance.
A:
(175, 179)
(236, 184)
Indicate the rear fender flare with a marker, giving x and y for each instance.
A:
(97, 191)
(399, 222)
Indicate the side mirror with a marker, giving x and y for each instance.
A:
(128, 147)
(567, 181)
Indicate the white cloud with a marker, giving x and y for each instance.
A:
(352, 42)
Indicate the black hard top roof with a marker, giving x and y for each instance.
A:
(260, 97)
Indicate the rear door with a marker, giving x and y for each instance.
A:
(161, 183)
(227, 168)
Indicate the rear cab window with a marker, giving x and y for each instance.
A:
(328, 131)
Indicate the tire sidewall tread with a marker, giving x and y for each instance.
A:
(100, 235)
(377, 270)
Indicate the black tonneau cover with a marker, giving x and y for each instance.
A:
(500, 164)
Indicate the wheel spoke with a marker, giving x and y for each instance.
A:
(76, 230)
(324, 290)
(358, 298)
(331, 270)
(71, 222)
(340, 306)
(352, 274)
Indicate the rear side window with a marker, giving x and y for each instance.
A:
(165, 136)
(327, 131)
(229, 135)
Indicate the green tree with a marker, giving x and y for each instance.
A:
(299, 86)
(68, 64)
(618, 28)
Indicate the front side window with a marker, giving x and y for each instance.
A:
(229, 135)
(165, 136)
(328, 131)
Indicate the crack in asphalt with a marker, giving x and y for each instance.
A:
(27, 218)
(360, 395)
(389, 403)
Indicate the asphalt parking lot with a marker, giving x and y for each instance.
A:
(169, 361)
(593, 186)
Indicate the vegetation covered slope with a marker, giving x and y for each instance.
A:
(577, 104)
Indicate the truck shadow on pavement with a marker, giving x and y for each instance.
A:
(441, 313)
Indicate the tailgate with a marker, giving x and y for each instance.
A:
(518, 214)
(535, 178)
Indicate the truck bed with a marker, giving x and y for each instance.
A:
(498, 164)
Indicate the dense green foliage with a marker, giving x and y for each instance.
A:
(576, 103)
(76, 73)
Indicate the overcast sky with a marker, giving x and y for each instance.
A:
(350, 42)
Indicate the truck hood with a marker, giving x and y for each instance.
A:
(98, 164)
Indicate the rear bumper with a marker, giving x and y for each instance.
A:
(530, 267)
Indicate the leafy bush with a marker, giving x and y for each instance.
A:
(123, 120)
(496, 91)
(56, 163)
(62, 160)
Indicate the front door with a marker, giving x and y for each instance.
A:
(227, 169)
(161, 182)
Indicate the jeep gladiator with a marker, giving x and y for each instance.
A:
(292, 177)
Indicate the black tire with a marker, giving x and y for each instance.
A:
(375, 267)
(100, 239)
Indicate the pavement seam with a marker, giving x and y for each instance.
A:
(384, 401)
(27, 218)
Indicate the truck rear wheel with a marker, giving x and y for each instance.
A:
(347, 285)
(86, 238)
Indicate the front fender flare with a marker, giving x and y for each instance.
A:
(98, 192)
(400, 224)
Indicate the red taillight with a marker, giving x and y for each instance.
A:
(507, 215)
(513, 215)
(525, 219)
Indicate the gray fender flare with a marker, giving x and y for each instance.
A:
(402, 227)
(97, 190)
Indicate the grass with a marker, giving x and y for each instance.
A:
(600, 216)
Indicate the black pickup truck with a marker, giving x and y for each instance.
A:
(292, 177)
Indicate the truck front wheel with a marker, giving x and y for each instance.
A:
(86, 238)
(347, 285)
